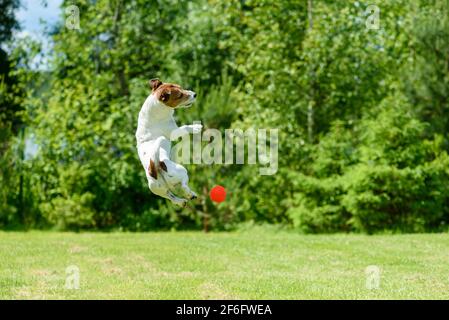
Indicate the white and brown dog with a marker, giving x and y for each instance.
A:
(155, 128)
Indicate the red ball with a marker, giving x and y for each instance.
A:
(218, 194)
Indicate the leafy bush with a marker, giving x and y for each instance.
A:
(400, 182)
(390, 177)
(317, 206)
(70, 213)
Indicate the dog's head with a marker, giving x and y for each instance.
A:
(172, 95)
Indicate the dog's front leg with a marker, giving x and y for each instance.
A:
(185, 130)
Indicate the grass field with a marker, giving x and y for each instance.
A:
(257, 264)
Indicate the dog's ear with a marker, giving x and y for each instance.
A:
(155, 83)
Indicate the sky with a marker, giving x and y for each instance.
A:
(33, 12)
(35, 16)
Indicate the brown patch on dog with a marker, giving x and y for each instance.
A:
(152, 169)
(172, 95)
(163, 166)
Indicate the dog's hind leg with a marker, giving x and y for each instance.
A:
(167, 194)
(163, 154)
(171, 171)
(176, 200)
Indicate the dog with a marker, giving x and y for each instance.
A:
(155, 128)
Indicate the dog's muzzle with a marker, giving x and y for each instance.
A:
(190, 100)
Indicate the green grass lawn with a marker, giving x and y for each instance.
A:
(257, 264)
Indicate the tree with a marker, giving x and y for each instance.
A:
(10, 119)
(427, 78)
(387, 177)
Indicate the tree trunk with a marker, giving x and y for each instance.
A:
(20, 204)
(311, 105)
(123, 83)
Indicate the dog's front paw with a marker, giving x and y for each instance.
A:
(193, 196)
(196, 128)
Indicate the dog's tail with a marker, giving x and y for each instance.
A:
(156, 165)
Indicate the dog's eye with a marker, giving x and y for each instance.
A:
(165, 96)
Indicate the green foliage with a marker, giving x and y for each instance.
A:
(7, 209)
(316, 207)
(401, 180)
(13, 200)
(427, 78)
(362, 115)
(389, 177)
(316, 203)
(8, 22)
(73, 212)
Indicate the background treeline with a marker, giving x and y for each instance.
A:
(363, 114)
